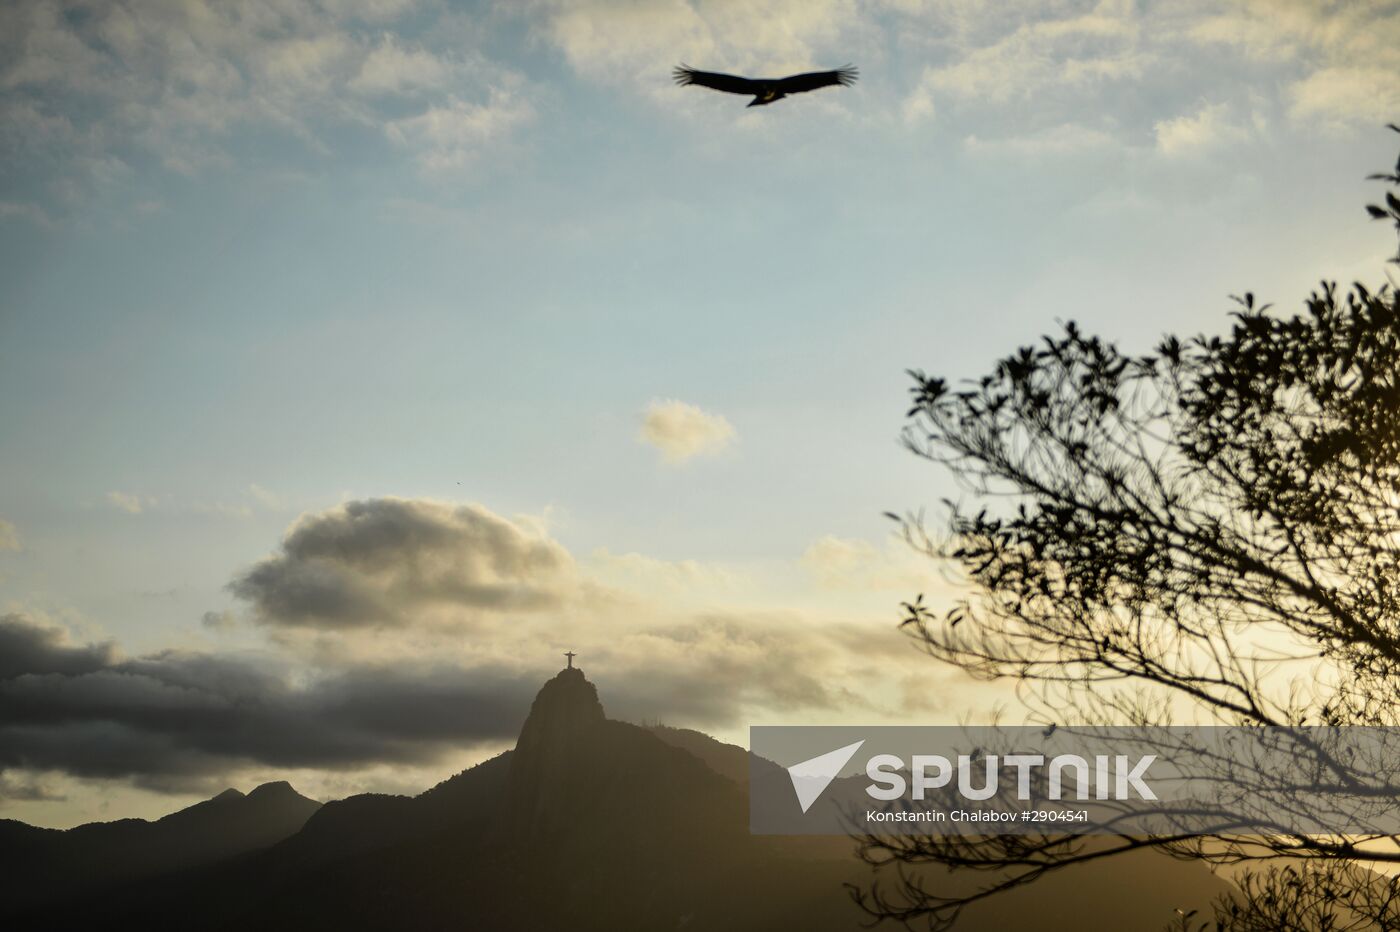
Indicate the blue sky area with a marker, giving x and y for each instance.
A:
(484, 271)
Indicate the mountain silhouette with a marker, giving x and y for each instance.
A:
(44, 863)
(588, 823)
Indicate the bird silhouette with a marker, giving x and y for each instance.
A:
(766, 90)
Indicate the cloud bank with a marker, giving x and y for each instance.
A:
(172, 719)
(96, 98)
(406, 632)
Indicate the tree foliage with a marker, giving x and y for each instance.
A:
(1209, 531)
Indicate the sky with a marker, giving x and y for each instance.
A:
(359, 357)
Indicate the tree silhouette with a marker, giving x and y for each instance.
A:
(1208, 532)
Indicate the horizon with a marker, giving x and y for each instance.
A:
(357, 359)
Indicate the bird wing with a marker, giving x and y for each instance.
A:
(811, 80)
(729, 83)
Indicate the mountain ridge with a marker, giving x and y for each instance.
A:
(89, 858)
(588, 822)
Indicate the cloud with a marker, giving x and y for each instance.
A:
(28, 646)
(405, 633)
(643, 40)
(1206, 129)
(131, 504)
(450, 136)
(1343, 57)
(918, 106)
(682, 431)
(1348, 94)
(94, 96)
(219, 621)
(19, 789)
(400, 562)
(173, 718)
(9, 536)
(92, 93)
(1071, 51)
(396, 67)
(1056, 63)
(181, 720)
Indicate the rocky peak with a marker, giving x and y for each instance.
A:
(559, 738)
(276, 790)
(566, 705)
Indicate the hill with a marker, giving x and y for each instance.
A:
(96, 857)
(589, 823)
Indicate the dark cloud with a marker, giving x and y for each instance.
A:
(26, 646)
(176, 717)
(381, 560)
(176, 720)
(360, 579)
(218, 621)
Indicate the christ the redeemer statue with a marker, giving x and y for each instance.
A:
(571, 655)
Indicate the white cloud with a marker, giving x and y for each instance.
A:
(1348, 94)
(1345, 56)
(172, 82)
(394, 67)
(683, 431)
(1257, 37)
(91, 100)
(1076, 50)
(9, 536)
(1205, 129)
(612, 40)
(918, 107)
(449, 137)
(1330, 63)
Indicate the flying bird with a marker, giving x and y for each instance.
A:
(766, 90)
